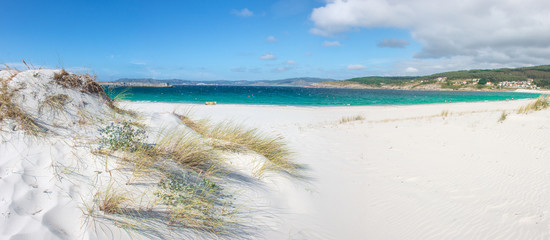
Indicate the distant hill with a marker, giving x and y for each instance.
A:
(540, 75)
(456, 80)
(290, 82)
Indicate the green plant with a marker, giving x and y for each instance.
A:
(122, 135)
(195, 201)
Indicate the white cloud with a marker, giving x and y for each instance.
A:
(393, 43)
(281, 69)
(242, 13)
(135, 62)
(268, 56)
(290, 62)
(238, 69)
(485, 31)
(331, 44)
(356, 67)
(271, 39)
(411, 70)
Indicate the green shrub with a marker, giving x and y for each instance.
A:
(122, 135)
(194, 201)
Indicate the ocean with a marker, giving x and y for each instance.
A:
(298, 96)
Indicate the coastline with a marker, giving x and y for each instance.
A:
(426, 171)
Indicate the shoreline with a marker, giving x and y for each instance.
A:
(424, 171)
(324, 106)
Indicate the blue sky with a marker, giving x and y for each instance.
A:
(248, 40)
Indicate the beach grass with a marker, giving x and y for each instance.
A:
(10, 110)
(200, 126)
(503, 116)
(542, 102)
(230, 136)
(274, 149)
(352, 118)
(187, 149)
(114, 104)
(189, 194)
(193, 200)
(111, 201)
(55, 102)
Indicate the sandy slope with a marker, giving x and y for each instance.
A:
(405, 172)
(442, 171)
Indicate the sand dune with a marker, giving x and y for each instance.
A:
(407, 172)
(441, 171)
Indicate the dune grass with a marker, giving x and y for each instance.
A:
(9, 110)
(113, 103)
(503, 116)
(274, 149)
(352, 118)
(235, 137)
(188, 150)
(67, 80)
(542, 102)
(193, 200)
(111, 201)
(55, 102)
(188, 193)
(200, 126)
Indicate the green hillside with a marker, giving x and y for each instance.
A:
(540, 75)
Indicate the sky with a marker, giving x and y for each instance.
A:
(268, 40)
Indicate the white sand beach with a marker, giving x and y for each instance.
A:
(437, 171)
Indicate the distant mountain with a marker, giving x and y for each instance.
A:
(290, 82)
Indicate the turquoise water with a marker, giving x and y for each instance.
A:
(305, 96)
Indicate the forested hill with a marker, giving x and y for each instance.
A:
(540, 75)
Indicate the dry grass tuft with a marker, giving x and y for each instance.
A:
(187, 149)
(445, 113)
(9, 110)
(274, 149)
(352, 118)
(232, 137)
(86, 83)
(201, 126)
(113, 104)
(111, 201)
(67, 80)
(503, 116)
(542, 102)
(56, 102)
